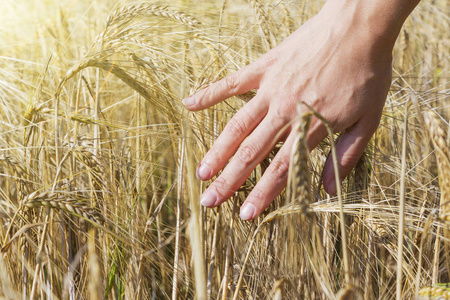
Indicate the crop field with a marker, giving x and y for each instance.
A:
(98, 193)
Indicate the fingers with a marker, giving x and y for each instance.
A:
(349, 149)
(252, 151)
(237, 83)
(271, 183)
(275, 177)
(236, 130)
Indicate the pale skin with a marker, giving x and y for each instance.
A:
(338, 62)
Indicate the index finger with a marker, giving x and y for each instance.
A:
(237, 83)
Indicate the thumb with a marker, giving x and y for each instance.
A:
(349, 149)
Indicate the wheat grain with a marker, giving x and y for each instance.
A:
(434, 292)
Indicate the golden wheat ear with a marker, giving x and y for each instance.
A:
(438, 136)
(441, 149)
(76, 206)
(299, 178)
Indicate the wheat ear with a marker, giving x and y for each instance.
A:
(77, 206)
(438, 139)
(128, 12)
(263, 20)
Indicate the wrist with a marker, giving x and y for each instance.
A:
(375, 21)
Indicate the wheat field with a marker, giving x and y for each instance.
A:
(98, 195)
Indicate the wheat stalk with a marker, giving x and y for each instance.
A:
(401, 227)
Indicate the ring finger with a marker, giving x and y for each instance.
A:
(252, 151)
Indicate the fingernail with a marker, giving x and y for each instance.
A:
(189, 101)
(203, 172)
(248, 211)
(209, 198)
(332, 190)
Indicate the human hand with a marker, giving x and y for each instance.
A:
(334, 63)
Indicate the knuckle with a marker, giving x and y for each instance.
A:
(280, 169)
(222, 187)
(236, 127)
(348, 161)
(270, 57)
(282, 115)
(257, 194)
(248, 114)
(231, 83)
(213, 157)
(204, 97)
(247, 154)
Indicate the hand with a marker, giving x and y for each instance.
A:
(333, 63)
